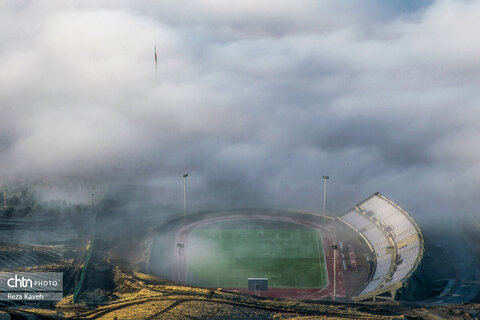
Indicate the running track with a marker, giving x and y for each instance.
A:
(328, 235)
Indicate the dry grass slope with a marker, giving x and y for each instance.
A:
(140, 296)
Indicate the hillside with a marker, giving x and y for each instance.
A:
(140, 296)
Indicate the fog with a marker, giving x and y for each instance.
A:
(256, 100)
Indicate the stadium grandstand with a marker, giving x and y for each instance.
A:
(395, 241)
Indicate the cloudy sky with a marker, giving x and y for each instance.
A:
(255, 99)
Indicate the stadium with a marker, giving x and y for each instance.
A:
(124, 265)
(368, 253)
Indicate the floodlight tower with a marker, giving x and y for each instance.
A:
(334, 248)
(179, 246)
(5, 200)
(325, 178)
(185, 196)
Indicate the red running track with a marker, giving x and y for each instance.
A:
(328, 235)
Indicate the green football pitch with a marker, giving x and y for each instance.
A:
(225, 254)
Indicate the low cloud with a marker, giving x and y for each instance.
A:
(256, 100)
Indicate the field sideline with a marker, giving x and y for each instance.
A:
(224, 254)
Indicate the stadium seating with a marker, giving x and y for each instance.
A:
(360, 222)
(393, 236)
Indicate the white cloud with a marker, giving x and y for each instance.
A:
(254, 98)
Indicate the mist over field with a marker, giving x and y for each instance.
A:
(256, 100)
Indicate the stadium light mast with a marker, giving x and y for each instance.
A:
(334, 248)
(179, 246)
(325, 178)
(185, 196)
(5, 200)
